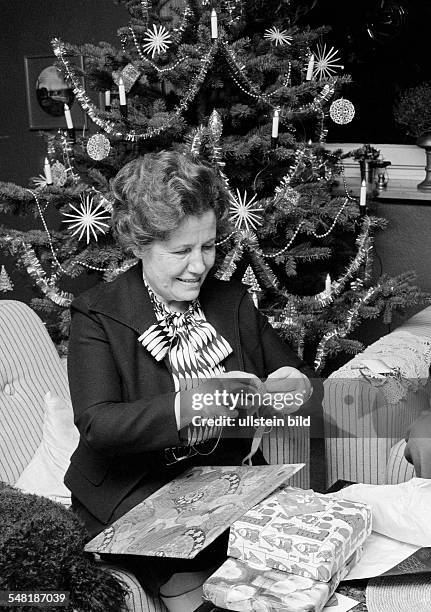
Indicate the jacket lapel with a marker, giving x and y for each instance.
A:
(126, 300)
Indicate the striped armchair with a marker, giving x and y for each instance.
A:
(364, 426)
(29, 368)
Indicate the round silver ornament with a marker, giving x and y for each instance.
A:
(98, 147)
(342, 111)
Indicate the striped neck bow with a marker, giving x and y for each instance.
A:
(194, 347)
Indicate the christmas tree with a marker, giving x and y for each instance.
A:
(241, 85)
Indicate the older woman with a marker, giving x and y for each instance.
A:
(142, 345)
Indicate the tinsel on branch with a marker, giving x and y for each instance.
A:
(5, 282)
(249, 92)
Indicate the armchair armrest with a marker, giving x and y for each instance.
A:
(365, 415)
(137, 600)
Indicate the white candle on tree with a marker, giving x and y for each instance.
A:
(107, 99)
(68, 117)
(310, 68)
(363, 197)
(275, 122)
(328, 284)
(47, 171)
(214, 28)
(122, 92)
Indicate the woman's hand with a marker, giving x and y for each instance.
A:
(289, 389)
(221, 395)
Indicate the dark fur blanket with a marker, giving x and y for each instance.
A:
(42, 549)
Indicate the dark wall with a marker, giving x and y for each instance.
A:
(27, 27)
(404, 246)
(384, 46)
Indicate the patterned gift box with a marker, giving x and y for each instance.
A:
(238, 586)
(278, 533)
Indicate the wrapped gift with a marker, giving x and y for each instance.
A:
(238, 586)
(300, 532)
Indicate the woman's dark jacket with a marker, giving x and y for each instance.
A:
(123, 399)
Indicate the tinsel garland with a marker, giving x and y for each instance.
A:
(115, 129)
(368, 264)
(28, 258)
(145, 12)
(287, 178)
(176, 36)
(266, 274)
(342, 331)
(196, 143)
(303, 154)
(324, 95)
(147, 60)
(237, 74)
(110, 273)
(67, 152)
(250, 89)
(229, 264)
(250, 240)
(322, 299)
(364, 242)
(228, 268)
(38, 274)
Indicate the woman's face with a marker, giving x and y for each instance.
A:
(176, 268)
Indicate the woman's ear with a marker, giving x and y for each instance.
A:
(137, 252)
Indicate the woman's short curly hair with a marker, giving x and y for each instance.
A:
(154, 193)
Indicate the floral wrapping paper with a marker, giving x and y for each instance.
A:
(238, 586)
(280, 533)
(191, 511)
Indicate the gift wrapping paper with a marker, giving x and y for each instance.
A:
(300, 532)
(191, 511)
(238, 586)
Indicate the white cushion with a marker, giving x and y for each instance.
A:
(29, 367)
(399, 511)
(44, 474)
(419, 324)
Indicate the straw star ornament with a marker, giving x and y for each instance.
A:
(87, 218)
(243, 213)
(326, 63)
(279, 37)
(157, 40)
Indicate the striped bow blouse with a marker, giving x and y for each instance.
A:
(194, 350)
